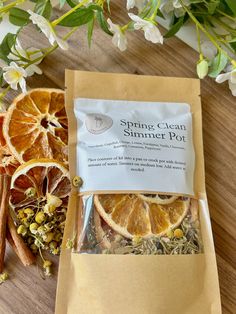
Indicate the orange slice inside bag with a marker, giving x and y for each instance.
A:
(132, 216)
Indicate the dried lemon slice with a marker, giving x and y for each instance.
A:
(131, 216)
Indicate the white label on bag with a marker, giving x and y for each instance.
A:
(134, 146)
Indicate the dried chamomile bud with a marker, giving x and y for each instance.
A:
(33, 227)
(77, 181)
(137, 240)
(70, 244)
(22, 230)
(41, 230)
(3, 277)
(40, 217)
(29, 212)
(53, 245)
(47, 267)
(21, 214)
(25, 221)
(30, 192)
(178, 233)
(48, 237)
(54, 249)
(170, 234)
(49, 209)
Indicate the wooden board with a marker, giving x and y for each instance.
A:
(27, 292)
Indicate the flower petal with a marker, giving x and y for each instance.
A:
(232, 88)
(223, 77)
(22, 84)
(153, 34)
(61, 43)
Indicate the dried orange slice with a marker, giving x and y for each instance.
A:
(35, 179)
(158, 198)
(131, 216)
(36, 125)
(8, 163)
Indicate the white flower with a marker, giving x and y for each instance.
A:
(31, 54)
(135, 3)
(14, 75)
(177, 3)
(47, 29)
(169, 6)
(230, 77)
(151, 32)
(118, 39)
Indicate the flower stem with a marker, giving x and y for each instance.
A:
(54, 47)
(57, 21)
(7, 7)
(3, 94)
(202, 28)
(199, 42)
(226, 15)
(154, 14)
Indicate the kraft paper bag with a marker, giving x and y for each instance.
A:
(137, 284)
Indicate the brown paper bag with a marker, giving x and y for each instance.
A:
(137, 284)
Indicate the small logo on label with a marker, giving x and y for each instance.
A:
(97, 123)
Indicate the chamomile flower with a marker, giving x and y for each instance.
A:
(169, 6)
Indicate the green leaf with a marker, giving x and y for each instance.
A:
(18, 17)
(71, 3)
(218, 64)
(212, 6)
(90, 31)
(232, 5)
(175, 27)
(1, 77)
(44, 8)
(233, 45)
(94, 7)
(6, 45)
(159, 13)
(77, 18)
(103, 23)
(108, 6)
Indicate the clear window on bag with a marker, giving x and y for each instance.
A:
(138, 224)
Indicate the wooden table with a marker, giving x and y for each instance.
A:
(27, 292)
